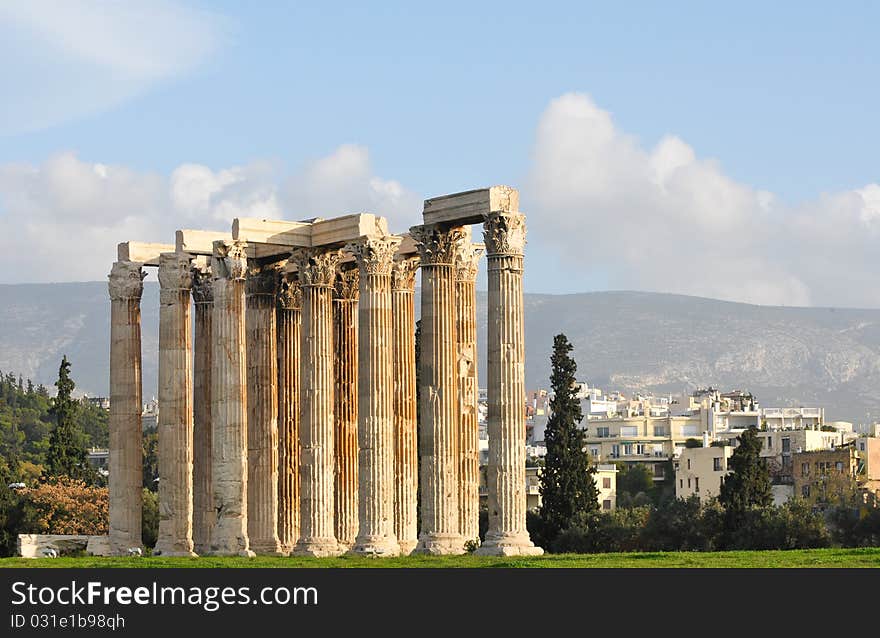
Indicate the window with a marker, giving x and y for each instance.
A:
(629, 430)
(805, 490)
(716, 464)
(689, 484)
(615, 451)
(786, 445)
(606, 483)
(689, 464)
(697, 484)
(602, 432)
(769, 442)
(805, 469)
(839, 466)
(690, 430)
(627, 449)
(606, 504)
(681, 483)
(786, 463)
(594, 452)
(661, 430)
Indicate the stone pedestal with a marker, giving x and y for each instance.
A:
(406, 480)
(504, 235)
(438, 430)
(203, 502)
(345, 401)
(466, 261)
(376, 535)
(229, 536)
(126, 434)
(289, 319)
(317, 273)
(176, 408)
(261, 287)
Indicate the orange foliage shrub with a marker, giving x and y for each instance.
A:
(68, 506)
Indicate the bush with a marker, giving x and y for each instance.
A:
(615, 531)
(683, 525)
(66, 506)
(855, 526)
(791, 526)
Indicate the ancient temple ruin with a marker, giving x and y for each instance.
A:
(287, 419)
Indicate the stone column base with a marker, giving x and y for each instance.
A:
(407, 547)
(267, 548)
(372, 546)
(440, 545)
(176, 554)
(508, 546)
(246, 553)
(318, 548)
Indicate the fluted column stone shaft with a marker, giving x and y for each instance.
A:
(229, 535)
(438, 445)
(261, 287)
(466, 261)
(504, 234)
(406, 483)
(317, 271)
(289, 319)
(176, 407)
(203, 503)
(345, 411)
(376, 536)
(126, 434)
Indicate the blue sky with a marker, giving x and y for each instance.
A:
(777, 102)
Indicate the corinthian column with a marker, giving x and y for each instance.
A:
(126, 434)
(438, 435)
(203, 502)
(317, 272)
(229, 536)
(504, 235)
(176, 414)
(289, 330)
(345, 412)
(406, 485)
(376, 535)
(261, 287)
(467, 257)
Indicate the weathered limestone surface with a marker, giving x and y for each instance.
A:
(406, 484)
(126, 448)
(289, 333)
(438, 444)
(345, 411)
(175, 399)
(504, 235)
(203, 502)
(376, 535)
(317, 273)
(467, 257)
(261, 287)
(229, 536)
(33, 545)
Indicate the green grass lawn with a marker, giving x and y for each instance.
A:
(869, 557)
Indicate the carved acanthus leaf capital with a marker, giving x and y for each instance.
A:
(346, 284)
(262, 280)
(290, 292)
(175, 271)
(202, 285)
(505, 233)
(403, 274)
(229, 260)
(467, 259)
(374, 255)
(317, 266)
(436, 245)
(126, 280)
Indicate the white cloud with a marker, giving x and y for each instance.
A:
(664, 219)
(63, 60)
(61, 220)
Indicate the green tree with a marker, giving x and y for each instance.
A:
(568, 487)
(748, 486)
(151, 459)
(66, 455)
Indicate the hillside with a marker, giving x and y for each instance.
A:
(623, 340)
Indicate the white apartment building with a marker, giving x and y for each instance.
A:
(698, 471)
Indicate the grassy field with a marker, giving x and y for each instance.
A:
(869, 557)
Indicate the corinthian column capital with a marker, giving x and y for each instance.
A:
(262, 280)
(229, 260)
(375, 255)
(466, 259)
(317, 266)
(403, 274)
(504, 233)
(126, 280)
(175, 276)
(202, 285)
(436, 245)
(346, 284)
(289, 292)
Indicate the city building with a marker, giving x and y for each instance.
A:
(699, 471)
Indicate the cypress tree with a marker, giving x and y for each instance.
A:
(66, 456)
(568, 488)
(749, 484)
